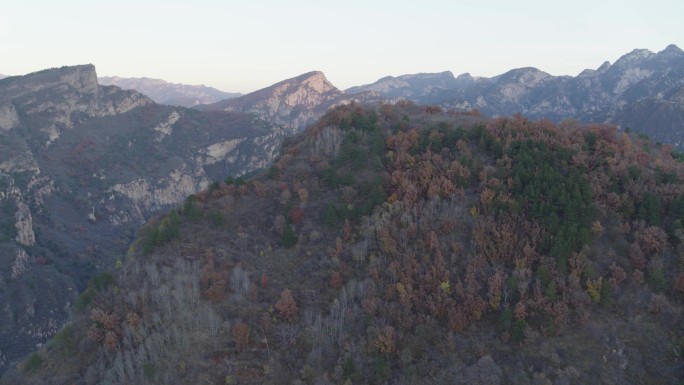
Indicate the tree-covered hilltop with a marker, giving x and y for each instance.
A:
(402, 244)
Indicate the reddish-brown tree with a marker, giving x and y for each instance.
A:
(286, 306)
(296, 215)
(336, 280)
(241, 334)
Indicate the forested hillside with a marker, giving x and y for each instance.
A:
(405, 245)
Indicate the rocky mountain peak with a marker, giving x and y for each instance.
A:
(595, 72)
(309, 89)
(80, 78)
(83, 77)
(604, 67)
(671, 51)
(293, 103)
(465, 80)
(528, 76)
(634, 58)
(315, 81)
(63, 97)
(411, 85)
(387, 84)
(447, 74)
(444, 75)
(310, 84)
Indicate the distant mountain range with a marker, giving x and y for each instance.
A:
(172, 94)
(642, 90)
(415, 86)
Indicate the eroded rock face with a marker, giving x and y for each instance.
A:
(8, 117)
(327, 141)
(218, 151)
(164, 128)
(19, 265)
(24, 225)
(414, 85)
(82, 166)
(149, 196)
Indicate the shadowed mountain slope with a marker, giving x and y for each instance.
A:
(82, 166)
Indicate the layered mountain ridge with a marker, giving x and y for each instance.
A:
(642, 90)
(413, 86)
(173, 94)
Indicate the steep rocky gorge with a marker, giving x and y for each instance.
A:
(82, 166)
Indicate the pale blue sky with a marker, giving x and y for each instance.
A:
(242, 46)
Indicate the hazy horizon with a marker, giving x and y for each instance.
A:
(243, 46)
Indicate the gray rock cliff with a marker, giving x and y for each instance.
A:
(82, 166)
